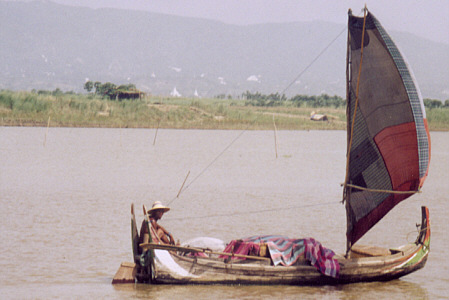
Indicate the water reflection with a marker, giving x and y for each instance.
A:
(396, 289)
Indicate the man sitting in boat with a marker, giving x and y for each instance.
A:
(155, 213)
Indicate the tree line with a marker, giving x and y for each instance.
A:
(276, 99)
(112, 91)
(433, 103)
(323, 100)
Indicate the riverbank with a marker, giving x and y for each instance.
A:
(74, 110)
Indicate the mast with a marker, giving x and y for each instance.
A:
(350, 122)
(346, 193)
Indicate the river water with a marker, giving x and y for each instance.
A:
(65, 199)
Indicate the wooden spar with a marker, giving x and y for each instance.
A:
(347, 192)
(207, 251)
(382, 191)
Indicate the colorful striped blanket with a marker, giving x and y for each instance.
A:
(285, 251)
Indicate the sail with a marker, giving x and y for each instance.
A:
(388, 142)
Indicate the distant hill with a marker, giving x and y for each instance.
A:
(46, 46)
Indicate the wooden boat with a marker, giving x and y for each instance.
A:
(168, 266)
(388, 153)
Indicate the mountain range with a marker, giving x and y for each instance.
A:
(47, 46)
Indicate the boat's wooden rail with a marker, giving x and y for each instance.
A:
(147, 246)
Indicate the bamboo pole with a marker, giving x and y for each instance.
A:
(180, 190)
(120, 131)
(275, 138)
(381, 191)
(46, 132)
(346, 192)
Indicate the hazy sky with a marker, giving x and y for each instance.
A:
(427, 19)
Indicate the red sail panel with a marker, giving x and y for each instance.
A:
(399, 149)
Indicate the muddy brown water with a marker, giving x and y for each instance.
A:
(65, 207)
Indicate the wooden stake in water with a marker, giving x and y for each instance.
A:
(155, 135)
(46, 132)
(275, 138)
(120, 131)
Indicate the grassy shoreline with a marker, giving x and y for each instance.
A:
(73, 110)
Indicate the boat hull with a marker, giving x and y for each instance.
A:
(171, 268)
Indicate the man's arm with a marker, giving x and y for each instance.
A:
(165, 231)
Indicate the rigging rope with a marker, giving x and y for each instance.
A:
(313, 61)
(233, 214)
(213, 161)
(255, 119)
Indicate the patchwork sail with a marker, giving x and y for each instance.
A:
(388, 137)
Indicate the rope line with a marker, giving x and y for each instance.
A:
(313, 61)
(253, 211)
(214, 160)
